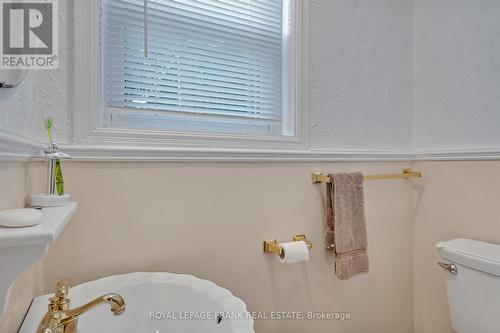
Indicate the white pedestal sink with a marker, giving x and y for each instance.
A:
(22, 247)
(155, 303)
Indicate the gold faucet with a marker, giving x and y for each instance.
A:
(60, 319)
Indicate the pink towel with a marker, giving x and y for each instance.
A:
(345, 229)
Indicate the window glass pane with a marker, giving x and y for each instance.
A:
(217, 60)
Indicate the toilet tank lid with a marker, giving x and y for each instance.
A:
(475, 254)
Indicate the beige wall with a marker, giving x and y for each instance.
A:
(457, 199)
(14, 184)
(209, 220)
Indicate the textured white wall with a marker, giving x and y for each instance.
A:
(361, 63)
(457, 74)
(44, 92)
(361, 78)
(363, 57)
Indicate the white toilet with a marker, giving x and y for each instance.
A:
(473, 284)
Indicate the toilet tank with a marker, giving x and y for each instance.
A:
(474, 289)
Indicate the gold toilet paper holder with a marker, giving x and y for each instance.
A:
(272, 246)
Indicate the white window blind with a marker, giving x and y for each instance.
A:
(196, 65)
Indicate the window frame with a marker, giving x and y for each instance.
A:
(90, 134)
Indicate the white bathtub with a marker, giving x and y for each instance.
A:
(155, 303)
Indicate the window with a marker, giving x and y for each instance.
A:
(219, 66)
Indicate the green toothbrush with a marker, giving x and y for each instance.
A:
(49, 123)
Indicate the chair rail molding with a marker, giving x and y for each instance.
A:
(95, 152)
(14, 147)
(469, 154)
(152, 152)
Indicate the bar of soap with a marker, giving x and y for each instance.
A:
(24, 217)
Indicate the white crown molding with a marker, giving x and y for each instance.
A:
(14, 147)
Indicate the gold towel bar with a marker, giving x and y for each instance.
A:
(318, 177)
(272, 246)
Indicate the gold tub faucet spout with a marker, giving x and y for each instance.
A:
(61, 319)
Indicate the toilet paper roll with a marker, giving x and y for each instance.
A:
(294, 252)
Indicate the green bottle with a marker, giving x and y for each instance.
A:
(49, 123)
